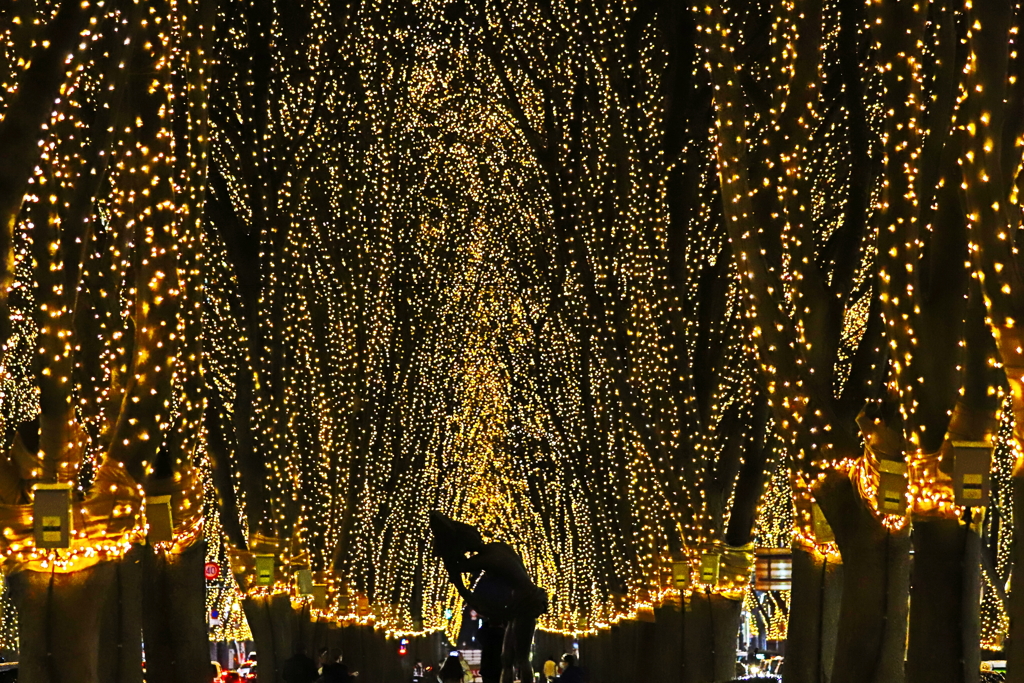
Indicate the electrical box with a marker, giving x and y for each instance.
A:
(319, 596)
(362, 606)
(891, 496)
(51, 515)
(709, 567)
(972, 463)
(681, 575)
(264, 570)
(304, 581)
(158, 518)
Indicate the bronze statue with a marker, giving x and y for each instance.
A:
(502, 589)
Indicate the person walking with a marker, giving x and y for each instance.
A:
(299, 668)
(451, 671)
(572, 673)
(467, 672)
(336, 671)
(550, 670)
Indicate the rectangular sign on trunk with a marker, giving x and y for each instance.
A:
(891, 497)
(304, 581)
(320, 596)
(264, 570)
(709, 567)
(681, 575)
(972, 461)
(158, 517)
(51, 515)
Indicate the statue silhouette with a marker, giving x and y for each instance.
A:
(502, 589)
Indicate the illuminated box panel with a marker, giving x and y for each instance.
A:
(158, 517)
(972, 461)
(709, 568)
(51, 515)
(264, 570)
(891, 497)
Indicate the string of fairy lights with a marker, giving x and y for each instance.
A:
(443, 259)
(480, 391)
(105, 343)
(461, 356)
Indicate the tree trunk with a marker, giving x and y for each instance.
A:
(945, 603)
(594, 654)
(59, 617)
(174, 620)
(710, 629)
(871, 641)
(258, 615)
(286, 627)
(628, 633)
(666, 648)
(1015, 640)
(120, 654)
(813, 617)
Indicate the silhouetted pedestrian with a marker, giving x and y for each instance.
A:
(299, 668)
(336, 671)
(572, 673)
(550, 670)
(451, 671)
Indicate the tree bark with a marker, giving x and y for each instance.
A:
(813, 618)
(258, 615)
(59, 623)
(285, 622)
(945, 603)
(174, 620)
(120, 653)
(667, 645)
(710, 628)
(276, 631)
(871, 640)
(1015, 640)
(594, 654)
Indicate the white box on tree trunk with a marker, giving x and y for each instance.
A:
(264, 570)
(304, 581)
(710, 565)
(51, 515)
(972, 462)
(320, 596)
(891, 496)
(681, 575)
(158, 518)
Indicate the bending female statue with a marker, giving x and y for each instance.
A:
(501, 590)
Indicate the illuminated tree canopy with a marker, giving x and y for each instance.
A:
(648, 291)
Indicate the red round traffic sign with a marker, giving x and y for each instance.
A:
(212, 570)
